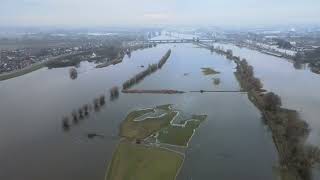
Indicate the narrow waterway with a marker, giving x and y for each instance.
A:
(233, 143)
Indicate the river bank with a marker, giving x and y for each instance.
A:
(66, 60)
(34, 67)
(298, 58)
(23, 71)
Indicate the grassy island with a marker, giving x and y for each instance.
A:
(145, 150)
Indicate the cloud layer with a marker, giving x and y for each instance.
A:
(155, 12)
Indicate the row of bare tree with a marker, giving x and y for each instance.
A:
(84, 111)
(151, 69)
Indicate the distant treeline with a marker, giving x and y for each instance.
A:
(151, 69)
(68, 60)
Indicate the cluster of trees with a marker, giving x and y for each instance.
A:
(65, 62)
(311, 57)
(110, 52)
(228, 53)
(140, 76)
(216, 81)
(283, 44)
(107, 52)
(247, 74)
(218, 50)
(114, 93)
(73, 73)
(99, 102)
(164, 59)
(151, 69)
(82, 113)
(290, 133)
(272, 102)
(68, 60)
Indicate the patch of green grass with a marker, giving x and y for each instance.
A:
(209, 71)
(138, 162)
(179, 135)
(142, 129)
(135, 114)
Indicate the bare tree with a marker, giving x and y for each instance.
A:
(272, 101)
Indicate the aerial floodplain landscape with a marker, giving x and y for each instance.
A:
(159, 90)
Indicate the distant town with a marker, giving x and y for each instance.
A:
(18, 51)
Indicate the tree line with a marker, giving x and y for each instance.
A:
(151, 69)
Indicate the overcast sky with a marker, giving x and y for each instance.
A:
(158, 12)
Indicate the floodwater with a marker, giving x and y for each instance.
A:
(297, 86)
(233, 143)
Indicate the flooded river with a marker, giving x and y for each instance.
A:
(298, 87)
(234, 142)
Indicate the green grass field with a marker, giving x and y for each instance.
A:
(142, 129)
(177, 135)
(134, 114)
(166, 107)
(138, 162)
